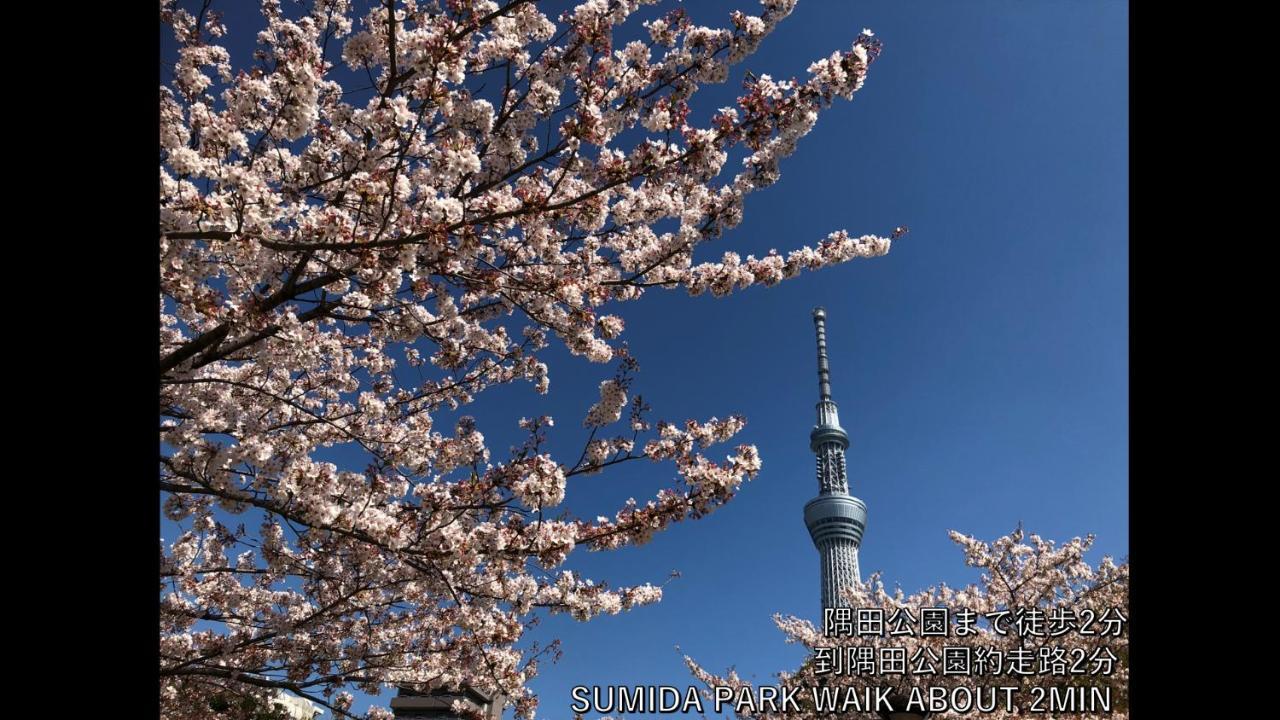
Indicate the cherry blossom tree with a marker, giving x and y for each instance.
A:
(390, 209)
(1018, 573)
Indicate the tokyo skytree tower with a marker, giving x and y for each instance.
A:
(835, 518)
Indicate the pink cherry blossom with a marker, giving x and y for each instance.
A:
(350, 263)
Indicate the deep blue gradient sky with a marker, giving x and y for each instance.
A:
(981, 368)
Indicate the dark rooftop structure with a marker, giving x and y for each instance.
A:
(438, 703)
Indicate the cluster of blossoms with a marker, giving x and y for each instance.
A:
(395, 208)
(1019, 573)
(613, 397)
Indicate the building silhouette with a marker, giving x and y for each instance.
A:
(835, 518)
(438, 703)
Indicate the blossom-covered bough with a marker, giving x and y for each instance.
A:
(390, 209)
(1018, 573)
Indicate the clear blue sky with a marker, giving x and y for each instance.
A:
(981, 368)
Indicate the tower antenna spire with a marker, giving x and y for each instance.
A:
(824, 373)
